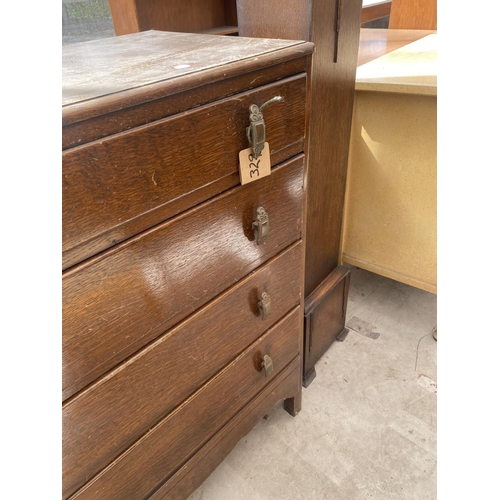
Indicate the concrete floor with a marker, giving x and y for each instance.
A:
(367, 429)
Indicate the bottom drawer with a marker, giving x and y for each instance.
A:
(187, 479)
(140, 470)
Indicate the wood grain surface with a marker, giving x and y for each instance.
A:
(175, 15)
(197, 469)
(121, 300)
(333, 26)
(413, 15)
(99, 68)
(123, 184)
(104, 420)
(82, 125)
(139, 471)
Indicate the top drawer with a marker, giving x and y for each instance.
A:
(118, 186)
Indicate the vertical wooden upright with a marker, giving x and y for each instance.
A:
(334, 27)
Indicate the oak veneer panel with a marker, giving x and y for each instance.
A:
(104, 420)
(106, 200)
(137, 315)
(138, 472)
(118, 302)
(195, 471)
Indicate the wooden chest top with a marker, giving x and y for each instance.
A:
(94, 70)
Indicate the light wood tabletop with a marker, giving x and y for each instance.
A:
(410, 69)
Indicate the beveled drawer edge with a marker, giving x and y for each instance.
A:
(187, 213)
(81, 245)
(283, 382)
(188, 401)
(88, 109)
(179, 326)
(122, 120)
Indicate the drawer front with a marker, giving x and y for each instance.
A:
(107, 418)
(139, 471)
(118, 186)
(119, 302)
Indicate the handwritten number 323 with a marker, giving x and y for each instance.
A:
(254, 166)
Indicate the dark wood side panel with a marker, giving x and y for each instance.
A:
(123, 299)
(332, 90)
(192, 475)
(104, 199)
(325, 312)
(107, 418)
(230, 13)
(139, 471)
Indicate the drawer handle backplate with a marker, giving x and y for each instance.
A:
(256, 131)
(265, 305)
(267, 365)
(261, 226)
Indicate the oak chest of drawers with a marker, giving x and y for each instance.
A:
(182, 288)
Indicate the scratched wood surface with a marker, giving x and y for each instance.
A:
(103, 67)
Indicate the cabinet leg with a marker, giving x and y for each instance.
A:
(309, 377)
(293, 405)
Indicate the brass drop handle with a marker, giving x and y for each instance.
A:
(261, 226)
(264, 305)
(267, 365)
(256, 131)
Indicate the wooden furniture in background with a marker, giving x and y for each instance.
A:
(334, 27)
(374, 43)
(390, 223)
(413, 15)
(375, 9)
(190, 16)
(181, 325)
